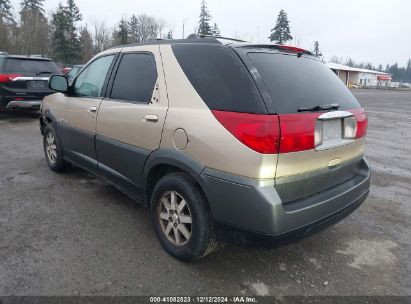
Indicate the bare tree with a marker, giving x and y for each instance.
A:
(336, 59)
(160, 26)
(297, 41)
(102, 36)
(144, 27)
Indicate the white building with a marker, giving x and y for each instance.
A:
(360, 77)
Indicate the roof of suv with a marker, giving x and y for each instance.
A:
(204, 39)
(171, 41)
(32, 57)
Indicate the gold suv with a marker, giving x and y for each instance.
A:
(214, 135)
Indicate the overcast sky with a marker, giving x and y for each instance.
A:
(376, 31)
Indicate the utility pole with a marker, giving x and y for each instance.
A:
(184, 24)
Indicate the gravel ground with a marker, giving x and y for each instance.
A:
(73, 234)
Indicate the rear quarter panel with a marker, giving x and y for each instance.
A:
(208, 141)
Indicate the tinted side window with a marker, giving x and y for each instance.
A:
(219, 77)
(304, 82)
(135, 78)
(90, 82)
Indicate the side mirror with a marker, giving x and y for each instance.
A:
(58, 83)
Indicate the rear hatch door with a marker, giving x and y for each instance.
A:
(28, 77)
(322, 125)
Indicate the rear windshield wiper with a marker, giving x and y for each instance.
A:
(44, 72)
(333, 106)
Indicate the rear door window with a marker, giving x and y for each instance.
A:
(304, 82)
(27, 66)
(219, 77)
(135, 78)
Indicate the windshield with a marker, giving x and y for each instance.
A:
(294, 83)
(27, 66)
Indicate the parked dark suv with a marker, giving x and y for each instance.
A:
(24, 81)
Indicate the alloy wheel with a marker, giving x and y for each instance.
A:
(175, 218)
(51, 148)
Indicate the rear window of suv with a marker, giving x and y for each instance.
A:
(27, 66)
(219, 77)
(304, 82)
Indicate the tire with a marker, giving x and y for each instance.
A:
(53, 151)
(197, 239)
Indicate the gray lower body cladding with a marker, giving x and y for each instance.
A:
(257, 207)
(20, 104)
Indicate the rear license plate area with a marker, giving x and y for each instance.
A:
(332, 134)
(332, 130)
(36, 84)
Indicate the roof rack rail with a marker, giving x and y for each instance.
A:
(219, 37)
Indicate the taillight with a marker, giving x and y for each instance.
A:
(298, 132)
(258, 132)
(291, 48)
(362, 122)
(4, 78)
(349, 127)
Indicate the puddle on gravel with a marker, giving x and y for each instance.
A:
(370, 253)
(260, 288)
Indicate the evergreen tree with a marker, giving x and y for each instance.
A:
(204, 27)
(394, 71)
(316, 50)
(65, 37)
(120, 35)
(72, 16)
(86, 45)
(400, 74)
(123, 32)
(133, 31)
(408, 71)
(59, 39)
(170, 35)
(34, 29)
(380, 68)
(6, 21)
(215, 30)
(281, 32)
(350, 62)
(33, 5)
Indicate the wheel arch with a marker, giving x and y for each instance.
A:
(46, 118)
(162, 162)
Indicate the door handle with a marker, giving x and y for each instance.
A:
(151, 118)
(92, 109)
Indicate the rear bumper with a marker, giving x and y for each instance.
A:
(256, 207)
(24, 104)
